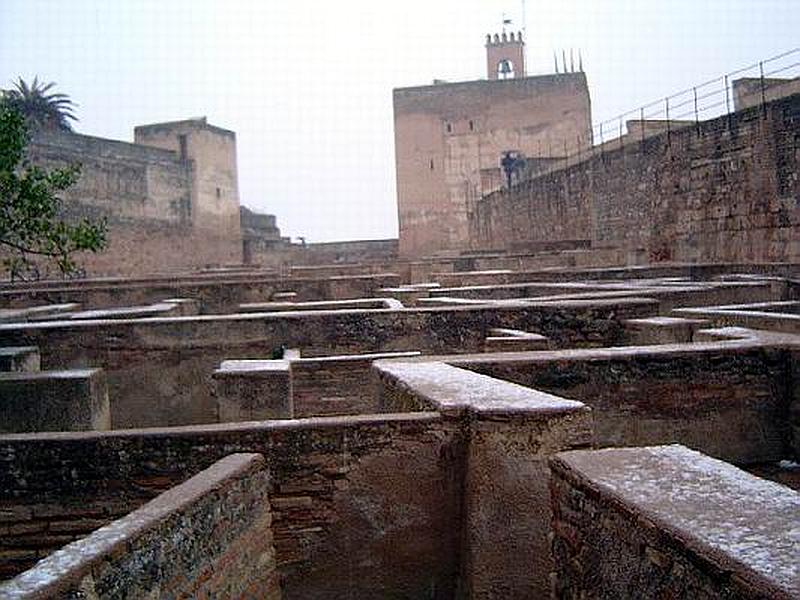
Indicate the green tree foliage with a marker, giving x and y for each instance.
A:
(31, 229)
(42, 110)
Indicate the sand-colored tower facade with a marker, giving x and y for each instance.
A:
(450, 139)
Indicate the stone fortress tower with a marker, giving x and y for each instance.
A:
(450, 138)
(214, 181)
(171, 198)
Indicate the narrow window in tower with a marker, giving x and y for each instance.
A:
(431, 164)
(183, 150)
(471, 126)
(219, 193)
(449, 128)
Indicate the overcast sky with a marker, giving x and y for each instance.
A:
(307, 86)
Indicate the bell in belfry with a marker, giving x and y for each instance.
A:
(505, 69)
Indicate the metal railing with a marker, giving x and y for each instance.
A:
(756, 85)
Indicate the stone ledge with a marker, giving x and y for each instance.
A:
(453, 391)
(692, 500)
(67, 400)
(20, 359)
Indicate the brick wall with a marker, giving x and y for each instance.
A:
(725, 190)
(210, 536)
(334, 385)
(361, 506)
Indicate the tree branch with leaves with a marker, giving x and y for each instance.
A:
(31, 227)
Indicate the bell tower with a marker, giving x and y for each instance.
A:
(505, 56)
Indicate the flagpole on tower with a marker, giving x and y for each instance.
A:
(524, 22)
(524, 35)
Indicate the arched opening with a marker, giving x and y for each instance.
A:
(505, 69)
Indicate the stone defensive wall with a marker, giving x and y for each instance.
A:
(720, 190)
(168, 207)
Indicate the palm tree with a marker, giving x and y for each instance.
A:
(41, 110)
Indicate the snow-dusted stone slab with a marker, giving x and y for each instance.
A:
(70, 400)
(511, 433)
(355, 303)
(663, 330)
(19, 358)
(669, 522)
(32, 313)
(160, 309)
(450, 390)
(185, 307)
(253, 390)
(514, 340)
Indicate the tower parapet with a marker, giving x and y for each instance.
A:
(505, 55)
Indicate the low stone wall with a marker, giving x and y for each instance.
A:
(667, 522)
(209, 536)
(511, 432)
(362, 507)
(252, 307)
(727, 399)
(669, 295)
(745, 316)
(693, 271)
(149, 359)
(74, 400)
(31, 313)
(19, 358)
(330, 254)
(663, 330)
(513, 340)
(215, 293)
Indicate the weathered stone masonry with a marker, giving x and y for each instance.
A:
(171, 199)
(727, 189)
